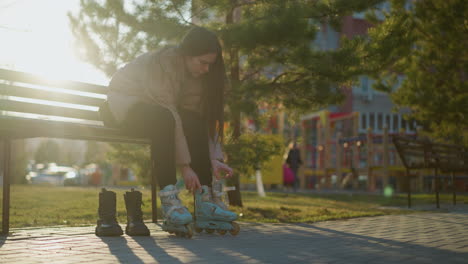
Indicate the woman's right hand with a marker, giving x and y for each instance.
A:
(192, 183)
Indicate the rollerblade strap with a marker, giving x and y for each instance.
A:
(225, 189)
(168, 193)
(175, 207)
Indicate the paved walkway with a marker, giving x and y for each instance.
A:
(415, 238)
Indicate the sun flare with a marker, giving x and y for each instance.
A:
(36, 38)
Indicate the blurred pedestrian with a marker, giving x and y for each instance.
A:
(294, 161)
(288, 177)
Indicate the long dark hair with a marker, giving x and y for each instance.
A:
(200, 41)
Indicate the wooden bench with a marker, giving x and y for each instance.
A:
(73, 114)
(424, 154)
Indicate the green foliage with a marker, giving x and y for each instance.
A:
(272, 40)
(92, 154)
(18, 170)
(427, 45)
(136, 157)
(245, 154)
(251, 151)
(48, 151)
(111, 32)
(268, 52)
(97, 153)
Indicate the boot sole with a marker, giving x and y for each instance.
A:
(137, 230)
(113, 231)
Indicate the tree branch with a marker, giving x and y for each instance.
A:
(180, 13)
(247, 76)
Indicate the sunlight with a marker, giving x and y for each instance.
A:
(36, 38)
(61, 90)
(46, 102)
(53, 118)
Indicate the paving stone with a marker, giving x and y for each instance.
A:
(414, 238)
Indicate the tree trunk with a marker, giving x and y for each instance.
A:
(235, 198)
(258, 178)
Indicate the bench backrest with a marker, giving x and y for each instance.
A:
(28, 95)
(419, 154)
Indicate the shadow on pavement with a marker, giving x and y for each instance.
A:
(119, 248)
(214, 248)
(372, 248)
(373, 240)
(449, 221)
(150, 246)
(3, 238)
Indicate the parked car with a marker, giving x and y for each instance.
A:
(54, 175)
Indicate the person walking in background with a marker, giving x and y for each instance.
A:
(288, 177)
(294, 161)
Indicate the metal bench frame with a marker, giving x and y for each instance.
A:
(85, 125)
(424, 154)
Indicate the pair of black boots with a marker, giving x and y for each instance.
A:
(107, 224)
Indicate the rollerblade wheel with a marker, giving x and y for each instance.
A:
(198, 230)
(235, 229)
(221, 232)
(209, 230)
(189, 233)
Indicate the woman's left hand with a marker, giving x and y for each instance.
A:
(219, 167)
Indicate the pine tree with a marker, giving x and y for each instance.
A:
(267, 45)
(425, 43)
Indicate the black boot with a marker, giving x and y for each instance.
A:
(107, 224)
(135, 224)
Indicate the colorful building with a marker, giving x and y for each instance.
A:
(352, 140)
(342, 150)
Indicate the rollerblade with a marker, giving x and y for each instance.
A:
(177, 218)
(107, 224)
(135, 224)
(219, 193)
(211, 216)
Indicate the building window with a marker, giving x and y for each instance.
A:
(372, 121)
(387, 122)
(364, 84)
(379, 121)
(391, 158)
(363, 121)
(412, 125)
(403, 123)
(396, 127)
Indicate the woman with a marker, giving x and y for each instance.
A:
(175, 97)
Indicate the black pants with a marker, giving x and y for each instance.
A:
(295, 184)
(157, 123)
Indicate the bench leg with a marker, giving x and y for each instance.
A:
(6, 186)
(154, 201)
(454, 189)
(436, 179)
(408, 181)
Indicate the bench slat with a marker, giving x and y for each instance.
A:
(19, 91)
(49, 110)
(30, 128)
(421, 143)
(16, 76)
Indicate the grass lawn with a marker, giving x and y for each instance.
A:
(44, 205)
